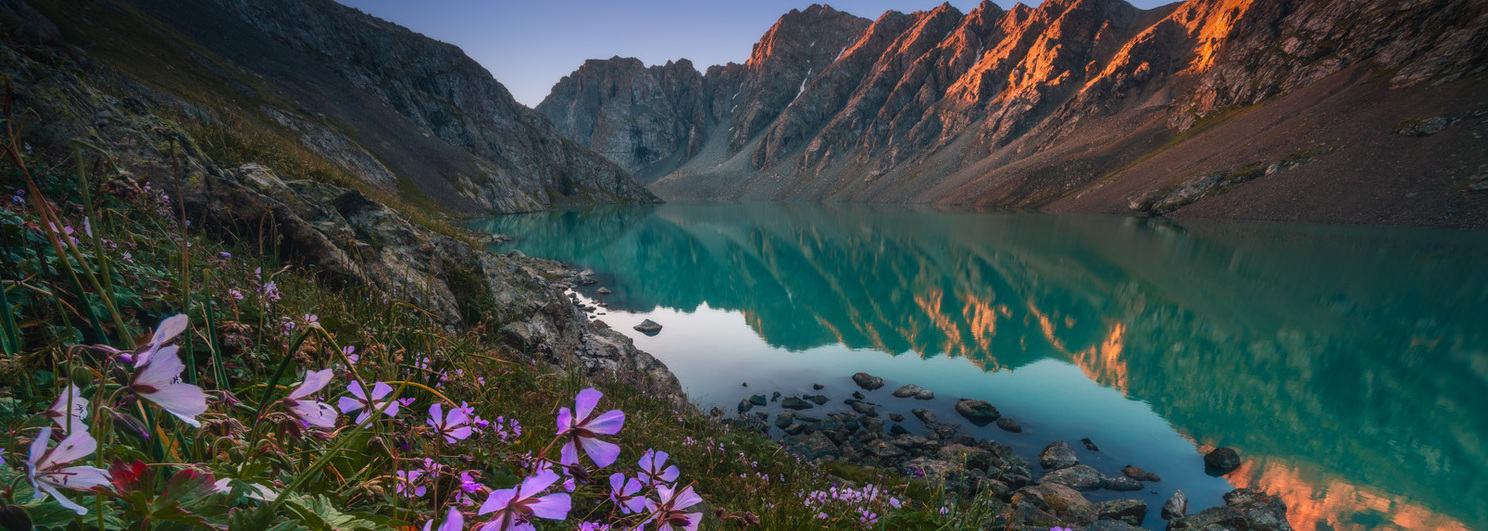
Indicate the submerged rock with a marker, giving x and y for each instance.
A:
(1009, 425)
(867, 381)
(795, 403)
(1221, 461)
(912, 390)
(745, 405)
(1139, 474)
(979, 412)
(1057, 455)
(820, 400)
(864, 408)
(1090, 445)
(896, 417)
(758, 400)
(926, 417)
(648, 327)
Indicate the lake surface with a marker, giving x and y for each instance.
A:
(1347, 365)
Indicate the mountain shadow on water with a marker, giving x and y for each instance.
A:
(1353, 350)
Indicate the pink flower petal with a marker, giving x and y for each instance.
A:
(49, 489)
(586, 400)
(601, 452)
(314, 382)
(75, 446)
(536, 483)
(39, 446)
(608, 423)
(168, 329)
(348, 404)
(315, 413)
(161, 369)
(552, 506)
(455, 521)
(497, 501)
(355, 388)
(380, 390)
(182, 400)
(85, 477)
(458, 434)
(565, 420)
(568, 454)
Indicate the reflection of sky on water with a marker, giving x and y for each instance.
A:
(1346, 364)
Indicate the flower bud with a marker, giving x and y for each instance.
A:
(14, 518)
(129, 425)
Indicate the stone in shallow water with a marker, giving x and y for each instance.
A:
(1057, 455)
(979, 412)
(926, 417)
(604, 291)
(745, 405)
(795, 403)
(896, 417)
(1221, 461)
(817, 387)
(758, 400)
(867, 381)
(1122, 484)
(1139, 474)
(864, 408)
(820, 400)
(912, 390)
(1078, 477)
(1009, 425)
(648, 327)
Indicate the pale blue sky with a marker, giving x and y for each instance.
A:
(529, 46)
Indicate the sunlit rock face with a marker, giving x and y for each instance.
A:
(1024, 107)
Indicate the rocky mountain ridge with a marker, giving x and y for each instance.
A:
(1033, 106)
(409, 115)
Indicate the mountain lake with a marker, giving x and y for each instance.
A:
(1347, 365)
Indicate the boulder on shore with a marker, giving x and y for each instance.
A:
(1175, 507)
(1244, 510)
(1057, 455)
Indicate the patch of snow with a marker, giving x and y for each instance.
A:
(839, 54)
(802, 90)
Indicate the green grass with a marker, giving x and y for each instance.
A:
(342, 477)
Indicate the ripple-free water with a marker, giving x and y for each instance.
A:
(1347, 365)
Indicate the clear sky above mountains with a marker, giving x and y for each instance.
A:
(529, 46)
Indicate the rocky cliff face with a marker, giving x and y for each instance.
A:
(647, 120)
(395, 108)
(1028, 106)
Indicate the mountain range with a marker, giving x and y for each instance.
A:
(1363, 111)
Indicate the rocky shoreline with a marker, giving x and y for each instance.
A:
(922, 446)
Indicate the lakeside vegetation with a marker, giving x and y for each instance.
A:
(156, 377)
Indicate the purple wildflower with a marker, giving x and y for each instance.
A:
(380, 390)
(653, 468)
(623, 491)
(514, 508)
(311, 412)
(48, 469)
(454, 521)
(451, 425)
(580, 429)
(668, 512)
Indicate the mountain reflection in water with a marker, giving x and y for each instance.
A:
(1358, 354)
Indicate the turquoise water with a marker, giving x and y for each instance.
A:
(1347, 365)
